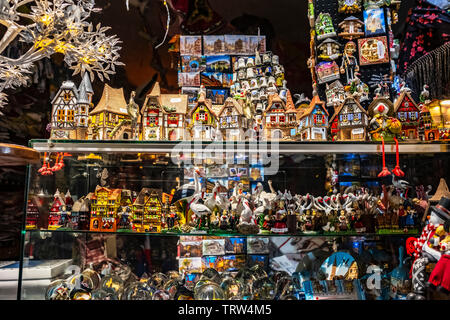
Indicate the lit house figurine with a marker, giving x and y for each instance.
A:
(163, 115)
(427, 130)
(349, 122)
(407, 111)
(70, 110)
(105, 204)
(280, 117)
(232, 121)
(54, 217)
(147, 211)
(351, 28)
(313, 123)
(203, 119)
(109, 112)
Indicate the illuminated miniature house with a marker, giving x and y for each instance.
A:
(147, 211)
(324, 26)
(427, 130)
(440, 113)
(55, 211)
(351, 28)
(280, 118)
(163, 115)
(109, 112)
(313, 123)
(105, 204)
(349, 122)
(407, 111)
(203, 119)
(335, 93)
(329, 49)
(32, 214)
(327, 71)
(70, 110)
(79, 219)
(232, 121)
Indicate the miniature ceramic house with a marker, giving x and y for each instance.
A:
(280, 118)
(335, 93)
(163, 115)
(313, 123)
(324, 26)
(105, 204)
(407, 111)
(203, 119)
(147, 211)
(327, 71)
(351, 28)
(350, 121)
(427, 130)
(329, 50)
(55, 211)
(71, 109)
(32, 214)
(232, 121)
(109, 112)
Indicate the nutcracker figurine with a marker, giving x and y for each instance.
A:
(426, 249)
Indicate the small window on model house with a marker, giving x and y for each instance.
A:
(273, 118)
(402, 116)
(282, 118)
(67, 96)
(69, 115)
(201, 115)
(413, 115)
(61, 116)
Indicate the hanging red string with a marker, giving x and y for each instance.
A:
(397, 171)
(385, 172)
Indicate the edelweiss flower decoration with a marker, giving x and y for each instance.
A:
(54, 26)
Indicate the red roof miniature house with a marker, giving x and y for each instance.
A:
(163, 115)
(349, 122)
(55, 211)
(313, 123)
(407, 111)
(280, 118)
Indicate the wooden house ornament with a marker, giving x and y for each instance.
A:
(313, 123)
(109, 112)
(329, 49)
(232, 121)
(324, 26)
(350, 120)
(407, 111)
(351, 28)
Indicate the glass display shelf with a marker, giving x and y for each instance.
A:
(387, 233)
(124, 146)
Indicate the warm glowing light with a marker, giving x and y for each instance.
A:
(445, 103)
(46, 19)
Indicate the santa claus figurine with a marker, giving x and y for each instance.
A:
(428, 249)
